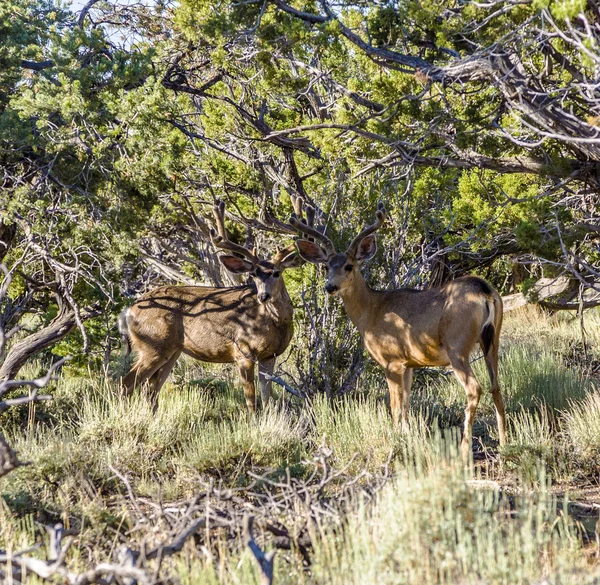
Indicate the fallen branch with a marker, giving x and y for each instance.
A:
(265, 561)
(8, 458)
(37, 384)
(281, 382)
(544, 288)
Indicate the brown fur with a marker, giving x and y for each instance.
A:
(244, 325)
(405, 329)
(219, 325)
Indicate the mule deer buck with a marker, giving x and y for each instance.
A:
(405, 329)
(245, 324)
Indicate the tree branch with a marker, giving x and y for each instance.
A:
(37, 65)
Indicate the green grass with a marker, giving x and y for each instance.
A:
(428, 525)
(432, 527)
(582, 428)
(271, 438)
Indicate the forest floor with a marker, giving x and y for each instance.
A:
(340, 495)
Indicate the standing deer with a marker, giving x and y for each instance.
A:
(404, 329)
(244, 324)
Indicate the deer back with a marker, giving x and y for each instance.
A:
(210, 324)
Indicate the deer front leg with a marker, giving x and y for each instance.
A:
(265, 368)
(395, 376)
(246, 370)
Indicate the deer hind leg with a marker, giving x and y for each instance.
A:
(147, 363)
(158, 379)
(246, 370)
(462, 370)
(265, 367)
(491, 361)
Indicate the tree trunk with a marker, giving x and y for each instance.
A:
(58, 328)
(544, 288)
(22, 351)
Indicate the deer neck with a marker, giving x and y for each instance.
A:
(280, 305)
(358, 300)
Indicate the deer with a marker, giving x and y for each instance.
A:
(404, 329)
(243, 324)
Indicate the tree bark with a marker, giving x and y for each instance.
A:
(542, 289)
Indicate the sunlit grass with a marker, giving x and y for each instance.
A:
(428, 525)
(432, 527)
(582, 428)
(269, 438)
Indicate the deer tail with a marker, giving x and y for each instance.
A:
(124, 330)
(488, 330)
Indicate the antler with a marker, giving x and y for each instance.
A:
(380, 218)
(306, 226)
(220, 239)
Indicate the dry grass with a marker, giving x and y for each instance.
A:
(428, 526)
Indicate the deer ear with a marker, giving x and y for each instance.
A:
(311, 252)
(292, 260)
(366, 249)
(235, 264)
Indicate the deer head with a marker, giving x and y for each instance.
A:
(341, 267)
(266, 274)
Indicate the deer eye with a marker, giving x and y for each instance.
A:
(348, 267)
(277, 274)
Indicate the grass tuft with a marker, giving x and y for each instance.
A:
(582, 427)
(268, 439)
(432, 527)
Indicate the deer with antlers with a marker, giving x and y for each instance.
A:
(245, 324)
(404, 329)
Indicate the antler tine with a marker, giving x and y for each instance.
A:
(249, 242)
(297, 204)
(309, 230)
(219, 236)
(379, 220)
(310, 216)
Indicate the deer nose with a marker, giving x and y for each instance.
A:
(264, 297)
(330, 288)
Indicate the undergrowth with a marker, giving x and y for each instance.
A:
(428, 525)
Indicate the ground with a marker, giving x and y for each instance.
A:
(340, 495)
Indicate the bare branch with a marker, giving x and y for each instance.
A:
(265, 561)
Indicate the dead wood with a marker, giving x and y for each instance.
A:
(286, 512)
(558, 294)
(57, 329)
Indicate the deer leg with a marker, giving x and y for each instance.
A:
(246, 370)
(491, 361)
(159, 378)
(462, 370)
(407, 383)
(395, 380)
(145, 367)
(265, 367)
